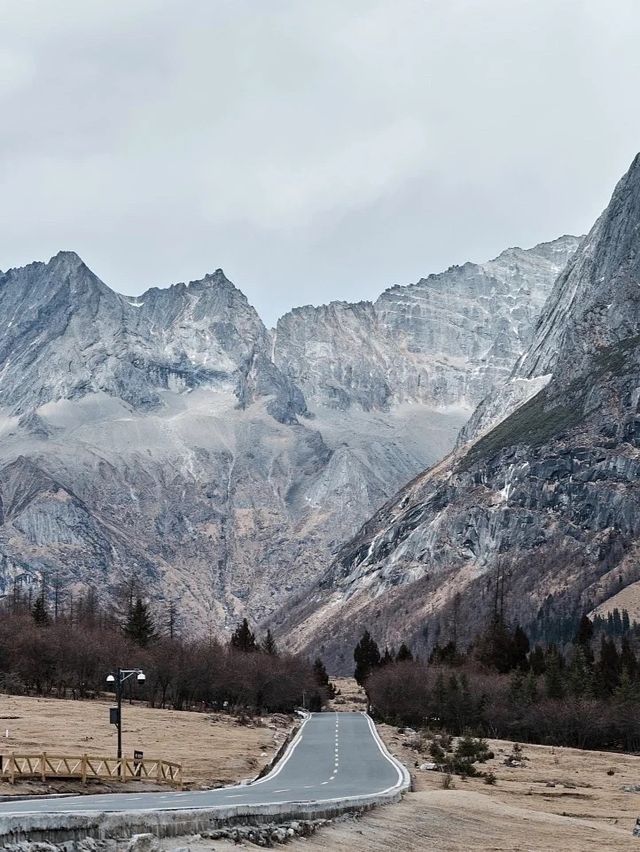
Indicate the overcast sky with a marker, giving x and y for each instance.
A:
(314, 149)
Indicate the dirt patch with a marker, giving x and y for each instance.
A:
(213, 749)
(350, 696)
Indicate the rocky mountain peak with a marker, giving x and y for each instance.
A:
(443, 341)
(596, 301)
(69, 260)
(594, 305)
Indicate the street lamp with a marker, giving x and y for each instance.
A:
(115, 716)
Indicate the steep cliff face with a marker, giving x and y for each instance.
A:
(545, 502)
(169, 435)
(444, 341)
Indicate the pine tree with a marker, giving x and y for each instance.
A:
(537, 661)
(579, 674)
(617, 622)
(495, 646)
(628, 661)
(243, 639)
(140, 627)
(584, 636)
(172, 617)
(404, 654)
(608, 667)
(554, 685)
(520, 649)
(40, 613)
(388, 657)
(322, 678)
(516, 689)
(439, 695)
(530, 692)
(367, 657)
(445, 656)
(269, 645)
(627, 690)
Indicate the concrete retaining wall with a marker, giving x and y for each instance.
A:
(58, 828)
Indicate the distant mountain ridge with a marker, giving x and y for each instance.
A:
(171, 435)
(448, 339)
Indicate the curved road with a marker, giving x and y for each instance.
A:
(334, 756)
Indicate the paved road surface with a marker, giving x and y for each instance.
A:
(334, 756)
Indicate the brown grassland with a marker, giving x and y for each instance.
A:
(213, 749)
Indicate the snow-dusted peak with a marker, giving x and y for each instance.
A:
(69, 335)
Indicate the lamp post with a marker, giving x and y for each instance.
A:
(118, 678)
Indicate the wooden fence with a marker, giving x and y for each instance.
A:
(43, 766)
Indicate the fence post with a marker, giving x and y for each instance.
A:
(159, 771)
(12, 764)
(43, 758)
(84, 768)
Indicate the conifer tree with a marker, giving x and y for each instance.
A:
(439, 694)
(627, 689)
(445, 656)
(499, 649)
(243, 639)
(367, 657)
(579, 673)
(269, 645)
(40, 613)
(608, 666)
(140, 627)
(530, 692)
(388, 657)
(516, 689)
(553, 675)
(404, 654)
(520, 648)
(628, 661)
(584, 636)
(537, 660)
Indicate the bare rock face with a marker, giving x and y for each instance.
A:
(445, 341)
(172, 436)
(541, 497)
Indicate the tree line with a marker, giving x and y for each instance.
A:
(584, 693)
(70, 656)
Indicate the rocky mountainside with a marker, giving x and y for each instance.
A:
(172, 437)
(446, 340)
(540, 501)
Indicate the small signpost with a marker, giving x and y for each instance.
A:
(137, 762)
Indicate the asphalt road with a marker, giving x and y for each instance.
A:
(334, 756)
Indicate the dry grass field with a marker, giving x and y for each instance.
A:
(557, 799)
(213, 749)
(586, 810)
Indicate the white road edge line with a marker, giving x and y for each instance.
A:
(401, 769)
(286, 757)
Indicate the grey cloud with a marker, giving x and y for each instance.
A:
(314, 150)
